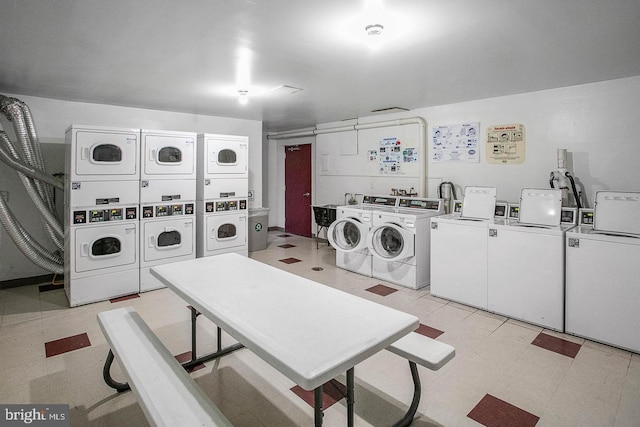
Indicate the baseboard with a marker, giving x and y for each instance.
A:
(275, 229)
(35, 280)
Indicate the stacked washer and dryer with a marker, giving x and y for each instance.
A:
(101, 205)
(222, 186)
(603, 291)
(167, 201)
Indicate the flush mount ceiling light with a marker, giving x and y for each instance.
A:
(374, 29)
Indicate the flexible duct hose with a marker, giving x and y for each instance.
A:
(29, 164)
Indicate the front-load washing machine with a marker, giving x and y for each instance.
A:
(348, 233)
(526, 266)
(602, 294)
(167, 235)
(399, 242)
(221, 227)
(459, 249)
(102, 154)
(223, 168)
(101, 253)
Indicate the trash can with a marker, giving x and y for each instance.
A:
(258, 226)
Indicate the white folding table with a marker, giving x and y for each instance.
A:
(308, 331)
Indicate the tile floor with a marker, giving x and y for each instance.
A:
(505, 373)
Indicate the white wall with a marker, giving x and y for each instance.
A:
(595, 122)
(52, 117)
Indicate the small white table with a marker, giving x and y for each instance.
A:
(308, 331)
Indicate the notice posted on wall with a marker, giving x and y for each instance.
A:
(505, 144)
(455, 143)
(390, 155)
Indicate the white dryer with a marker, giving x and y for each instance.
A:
(223, 166)
(348, 233)
(101, 253)
(526, 260)
(399, 242)
(602, 294)
(459, 249)
(168, 155)
(167, 235)
(102, 154)
(221, 227)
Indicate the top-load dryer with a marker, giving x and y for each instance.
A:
(399, 242)
(459, 249)
(602, 293)
(223, 168)
(102, 154)
(348, 233)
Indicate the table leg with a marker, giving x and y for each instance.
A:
(350, 397)
(417, 390)
(317, 404)
(194, 316)
(106, 374)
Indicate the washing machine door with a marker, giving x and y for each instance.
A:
(168, 155)
(226, 155)
(105, 246)
(103, 153)
(226, 231)
(348, 235)
(168, 239)
(391, 242)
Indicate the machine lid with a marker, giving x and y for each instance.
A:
(478, 202)
(540, 206)
(390, 242)
(617, 212)
(348, 235)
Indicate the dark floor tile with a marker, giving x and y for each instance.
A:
(64, 345)
(124, 298)
(50, 287)
(332, 392)
(557, 345)
(381, 290)
(428, 331)
(290, 260)
(493, 412)
(186, 357)
(287, 246)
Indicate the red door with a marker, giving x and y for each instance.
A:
(297, 194)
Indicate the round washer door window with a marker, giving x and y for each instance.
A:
(391, 242)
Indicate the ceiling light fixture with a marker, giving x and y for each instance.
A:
(374, 29)
(243, 97)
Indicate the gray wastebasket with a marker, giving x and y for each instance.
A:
(258, 226)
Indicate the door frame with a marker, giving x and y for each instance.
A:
(277, 219)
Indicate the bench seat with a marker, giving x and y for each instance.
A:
(423, 350)
(166, 393)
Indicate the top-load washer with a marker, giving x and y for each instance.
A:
(223, 168)
(102, 154)
(602, 293)
(525, 275)
(168, 155)
(399, 242)
(348, 233)
(459, 249)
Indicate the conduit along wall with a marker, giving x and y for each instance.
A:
(25, 157)
(367, 157)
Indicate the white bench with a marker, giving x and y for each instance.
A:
(166, 393)
(424, 351)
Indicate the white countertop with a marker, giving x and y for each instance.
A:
(308, 331)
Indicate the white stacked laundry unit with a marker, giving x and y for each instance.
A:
(101, 207)
(222, 191)
(167, 201)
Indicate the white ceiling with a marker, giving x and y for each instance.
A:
(193, 55)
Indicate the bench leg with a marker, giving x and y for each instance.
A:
(106, 374)
(350, 397)
(408, 417)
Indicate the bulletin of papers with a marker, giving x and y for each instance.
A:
(392, 155)
(505, 144)
(455, 143)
